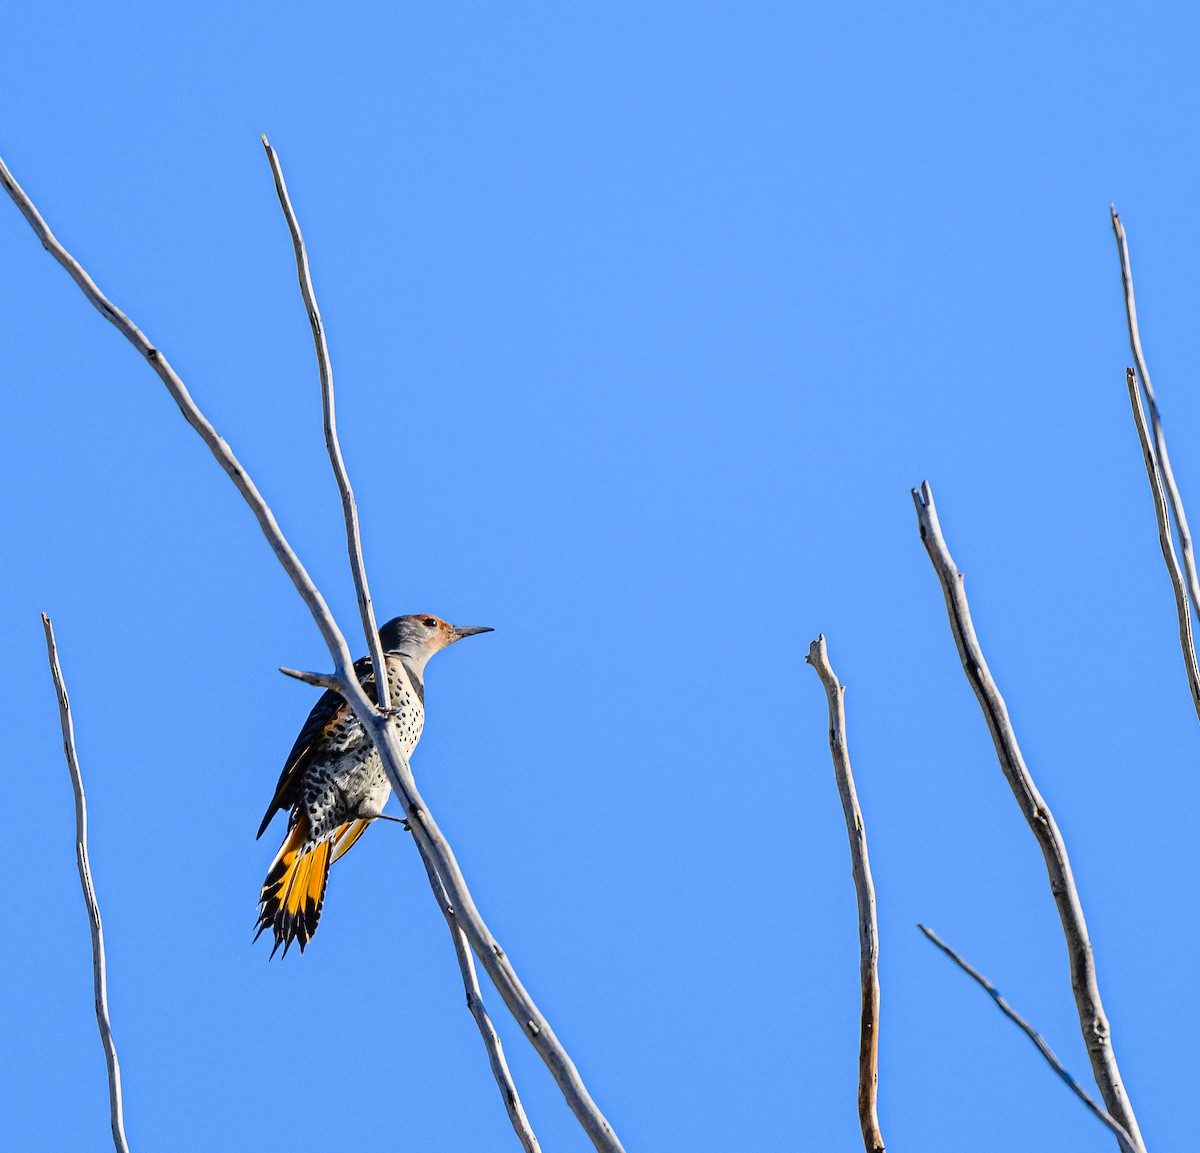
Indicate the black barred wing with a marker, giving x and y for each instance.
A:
(329, 717)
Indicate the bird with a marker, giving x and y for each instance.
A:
(333, 784)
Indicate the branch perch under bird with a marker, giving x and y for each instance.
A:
(116, 1107)
(864, 889)
(425, 829)
(491, 1039)
(1092, 1021)
(1160, 473)
(1040, 1044)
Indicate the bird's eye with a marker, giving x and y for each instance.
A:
(430, 622)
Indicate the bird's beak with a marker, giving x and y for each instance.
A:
(469, 631)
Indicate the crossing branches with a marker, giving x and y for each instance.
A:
(425, 828)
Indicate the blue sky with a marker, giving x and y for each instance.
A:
(645, 320)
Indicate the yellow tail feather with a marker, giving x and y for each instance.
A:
(294, 891)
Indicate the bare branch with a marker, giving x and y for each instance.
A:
(491, 1039)
(99, 980)
(317, 680)
(349, 507)
(192, 414)
(533, 1023)
(1054, 1063)
(864, 889)
(1092, 1020)
(1186, 642)
(1162, 457)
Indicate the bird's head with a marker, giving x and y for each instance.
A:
(419, 635)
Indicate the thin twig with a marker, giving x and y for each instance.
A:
(1162, 457)
(99, 980)
(864, 889)
(1186, 642)
(1092, 1021)
(487, 1031)
(329, 412)
(382, 733)
(1029, 1031)
(317, 680)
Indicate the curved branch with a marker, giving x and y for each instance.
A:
(329, 412)
(116, 1108)
(1092, 1021)
(1040, 1044)
(429, 835)
(864, 889)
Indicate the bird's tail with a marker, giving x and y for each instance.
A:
(294, 891)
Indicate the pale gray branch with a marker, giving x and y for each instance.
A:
(487, 1031)
(99, 979)
(1092, 1021)
(425, 828)
(1186, 641)
(864, 888)
(1162, 459)
(318, 680)
(329, 411)
(1045, 1050)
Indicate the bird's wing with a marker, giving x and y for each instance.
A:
(326, 715)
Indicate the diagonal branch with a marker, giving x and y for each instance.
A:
(1162, 516)
(99, 980)
(491, 1039)
(325, 366)
(1029, 1031)
(1092, 1021)
(864, 888)
(317, 680)
(1162, 458)
(429, 836)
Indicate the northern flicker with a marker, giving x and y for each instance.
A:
(333, 782)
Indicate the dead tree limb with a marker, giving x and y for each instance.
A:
(377, 725)
(329, 412)
(1092, 1021)
(1162, 516)
(491, 1040)
(1162, 476)
(116, 1109)
(1039, 1043)
(864, 889)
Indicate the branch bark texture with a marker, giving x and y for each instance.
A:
(1092, 1020)
(1162, 476)
(864, 888)
(116, 1109)
(1039, 1043)
(377, 725)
